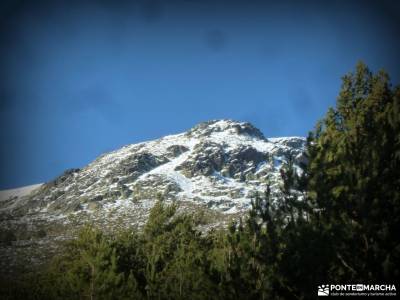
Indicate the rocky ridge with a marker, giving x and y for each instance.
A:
(217, 166)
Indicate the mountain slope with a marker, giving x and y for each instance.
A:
(216, 166)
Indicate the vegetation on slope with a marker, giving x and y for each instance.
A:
(336, 223)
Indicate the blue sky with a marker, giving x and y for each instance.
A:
(80, 78)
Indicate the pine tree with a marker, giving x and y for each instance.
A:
(177, 256)
(88, 269)
(354, 177)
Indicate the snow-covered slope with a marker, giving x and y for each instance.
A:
(219, 163)
(216, 166)
(18, 192)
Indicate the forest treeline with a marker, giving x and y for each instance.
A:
(335, 222)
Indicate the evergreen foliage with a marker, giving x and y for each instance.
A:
(354, 177)
(336, 221)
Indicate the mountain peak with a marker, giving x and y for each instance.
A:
(225, 125)
(216, 168)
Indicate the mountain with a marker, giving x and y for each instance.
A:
(215, 168)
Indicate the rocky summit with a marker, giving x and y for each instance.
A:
(216, 168)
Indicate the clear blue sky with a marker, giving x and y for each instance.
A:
(77, 80)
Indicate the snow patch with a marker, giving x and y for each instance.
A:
(18, 192)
